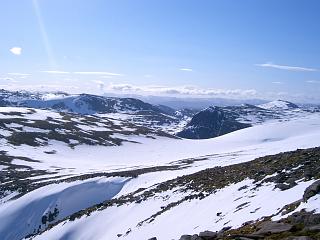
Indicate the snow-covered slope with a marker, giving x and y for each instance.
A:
(78, 103)
(131, 109)
(279, 105)
(212, 122)
(35, 127)
(247, 193)
(215, 121)
(156, 177)
(49, 204)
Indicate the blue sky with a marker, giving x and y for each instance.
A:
(208, 48)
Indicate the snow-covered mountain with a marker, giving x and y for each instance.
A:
(215, 121)
(279, 105)
(129, 109)
(158, 117)
(211, 122)
(37, 127)
(82, 103)
(65, 175)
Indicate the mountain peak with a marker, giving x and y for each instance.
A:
(279, 105)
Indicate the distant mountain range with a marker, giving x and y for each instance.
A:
(191, 102)
(190, 123)
(82, 103)
(216, 121)
(130, 109)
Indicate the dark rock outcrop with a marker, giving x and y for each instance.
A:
(312, 190)
(212, 122)
(269, 227)
(299, 226)
(299, 238)
(208, 235)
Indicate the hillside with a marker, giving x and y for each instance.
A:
(279, 105)
(130, 109)
(211, 122)
(145, 180)
(215, 121)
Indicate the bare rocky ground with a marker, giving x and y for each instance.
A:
(299, 226)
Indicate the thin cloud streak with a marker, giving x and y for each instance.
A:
(99, 73)
(55, 72)
(186, 69)
(104, 74)
(312, 81)
(288, 68)
(19, 74)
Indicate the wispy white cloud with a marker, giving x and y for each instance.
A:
(277, 82)
(55, 72)
(288, 68)
(186, 69)
(312, 81)
(100, 73)
(100, 84)
(16, 50)
(107, 77)
(41, 87)
(103, 74)
(181, 90)
(19, 74)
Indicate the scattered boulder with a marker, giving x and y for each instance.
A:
(153, 238)
(283, 186)
(208, 235)
(190, 237)
(291, 182)
(315, 228)
(195, 237)
(222, 231)
(306, 218)
(270, 227)
(311, 191)
(185, 237)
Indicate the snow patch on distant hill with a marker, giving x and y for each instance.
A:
(278, 105)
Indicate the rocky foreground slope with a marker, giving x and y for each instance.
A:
(241, 191)
(301, 225)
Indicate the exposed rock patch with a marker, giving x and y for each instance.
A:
(312, 190)
(211, 122)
